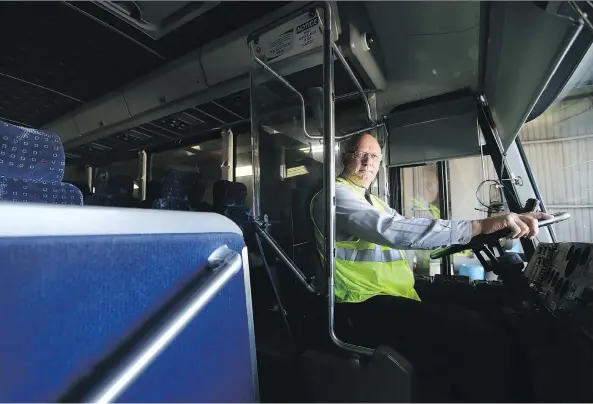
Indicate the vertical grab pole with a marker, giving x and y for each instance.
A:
(329, 178)
(142, 173)
(329, 167)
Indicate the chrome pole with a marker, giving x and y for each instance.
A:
(361, 91)
(289, 263)
(365, 100)
(329, 184)
(224, 265)
(282, 80)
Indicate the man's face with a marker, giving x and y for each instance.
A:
(362, 163)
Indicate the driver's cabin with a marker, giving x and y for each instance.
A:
(161, 248)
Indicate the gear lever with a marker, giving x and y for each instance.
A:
(531, 205)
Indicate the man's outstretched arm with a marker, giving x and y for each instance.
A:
(358, 218)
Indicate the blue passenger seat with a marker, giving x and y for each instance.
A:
(32, 164)
(230, 200)
(88, 293)
(175, 189)
(83, 186)
(113, 190)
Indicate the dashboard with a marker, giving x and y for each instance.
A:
(562, 275)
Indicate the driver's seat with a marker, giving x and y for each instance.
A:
(334, 374)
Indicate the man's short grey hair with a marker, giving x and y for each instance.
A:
(352, 142)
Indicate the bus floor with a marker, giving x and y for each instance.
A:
(552, 361)
(280, 380)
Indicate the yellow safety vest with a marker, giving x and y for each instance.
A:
(365, 269)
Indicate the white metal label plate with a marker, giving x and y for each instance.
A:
(297, 36)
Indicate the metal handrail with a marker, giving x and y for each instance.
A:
(291, 88)
(350, 72)
(225, 264)
(329, 141)
(356, 132)
(372, 122)
(282, 255)
(329, 184)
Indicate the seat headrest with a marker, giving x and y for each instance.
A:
(171, 203)
(30, 154)
(227, 193)
(179, 183)
(114, 184)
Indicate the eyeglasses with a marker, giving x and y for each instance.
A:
(359, 155)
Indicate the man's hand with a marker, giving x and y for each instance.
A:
(524, 225)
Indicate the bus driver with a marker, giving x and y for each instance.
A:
(374, 284)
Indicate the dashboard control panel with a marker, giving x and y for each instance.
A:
(562, 274)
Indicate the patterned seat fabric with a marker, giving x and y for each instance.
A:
(32, 164)
(176, 189)
(229, 194)
(230, 200)
(83, 186)
(113, 190)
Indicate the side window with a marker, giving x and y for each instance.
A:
(470, 196)
(559, 149)
(421, 199)
(291, 174)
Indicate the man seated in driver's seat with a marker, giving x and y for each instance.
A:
(455, 353)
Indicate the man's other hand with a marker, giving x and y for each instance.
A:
(523, 225)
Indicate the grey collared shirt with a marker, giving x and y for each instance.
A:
(358, 219)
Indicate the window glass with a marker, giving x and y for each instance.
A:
(291, 174)
(421, 199)
(559, 149)
(473, 194)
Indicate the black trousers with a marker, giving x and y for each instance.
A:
(457, 354)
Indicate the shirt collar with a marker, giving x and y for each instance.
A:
(357, 187)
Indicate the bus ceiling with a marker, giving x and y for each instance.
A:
(144, 76)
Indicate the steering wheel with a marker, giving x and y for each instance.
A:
(487, 243)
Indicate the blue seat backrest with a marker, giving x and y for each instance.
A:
(230, 200)
(76, 283)
(32, 164)
(175, 191)
(113, 190)
(82, 186)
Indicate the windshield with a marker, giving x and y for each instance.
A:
(559, 148)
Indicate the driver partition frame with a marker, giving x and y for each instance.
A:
(322, 11)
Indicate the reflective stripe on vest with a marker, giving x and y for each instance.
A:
(365, 269)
